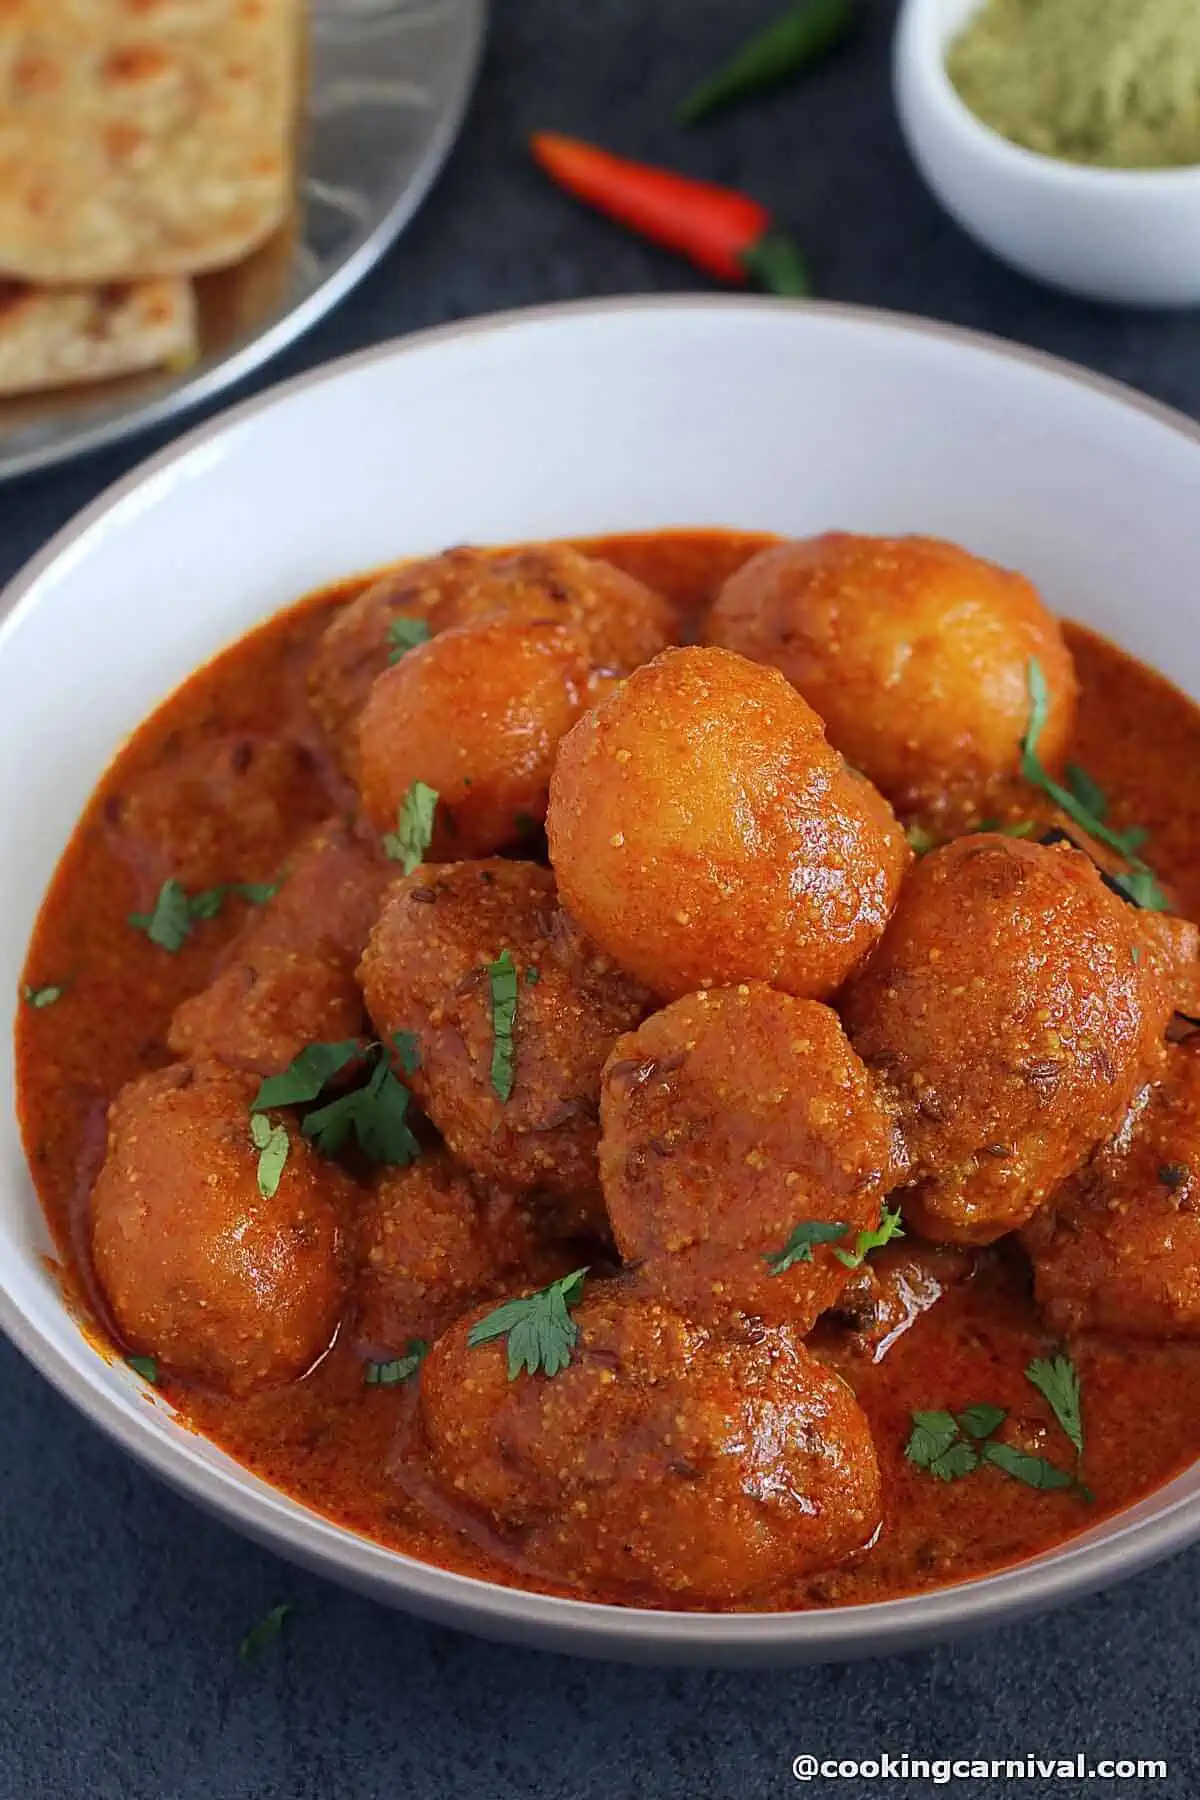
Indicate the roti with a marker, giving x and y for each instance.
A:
(143, 137)
(55, 337)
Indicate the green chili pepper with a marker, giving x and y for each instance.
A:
(797, 40)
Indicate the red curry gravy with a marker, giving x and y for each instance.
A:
(347, 1450)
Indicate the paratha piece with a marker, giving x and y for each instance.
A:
(144, 137)
(57, 337)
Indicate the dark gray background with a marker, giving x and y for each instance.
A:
(121, 1607)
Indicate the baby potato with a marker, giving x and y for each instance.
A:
(477, 714)
(426, 970)
(1015, 1005)
(663, 1462)
(915, 653)
(703, 832)
(225, 1284)
(728, 1121)
(1117, 1248)
(623, 621)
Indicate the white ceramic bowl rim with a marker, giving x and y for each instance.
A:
(1036, 164)
(510, 1612)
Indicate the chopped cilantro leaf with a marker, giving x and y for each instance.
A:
(1034, 1471)
(1057, 1381)
(540, 1330)
(408, 1049)
(932, 1435)
(170, 924)
(272, 1143)
(889, 1227)
(1078, 802)
(981, 1420)
(401, 1368)
(404, 635)
(532, 976)
(502, 981)
(414, 827)
(306, 1074)
(375, 1115)
(798, 1248)
(1088, 792)
(145, 1366)
(920, 841)
(264, 1633)
(41, 996)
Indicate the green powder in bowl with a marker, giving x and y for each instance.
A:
(1114, 82)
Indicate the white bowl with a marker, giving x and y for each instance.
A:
(629, 414)
(1126, 235)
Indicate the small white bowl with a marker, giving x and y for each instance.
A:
(1131, 236)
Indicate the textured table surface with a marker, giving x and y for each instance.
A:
(121, 1607)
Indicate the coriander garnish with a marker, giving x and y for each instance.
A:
(272, 1143)
(414, 827)
(374, 1114)
(264, 1633)
(1084, 801)
(404, 635)
(41, 996)
(502, 981)
(145, 1366)
(920, 841)
(540, 1330)
(408, 1049)
(171, 922)
(799, 1247)
(951, 1445)
(401, 1368)
(889, 1227)
(306, 1074)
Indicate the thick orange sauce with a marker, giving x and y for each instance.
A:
(347, 1450)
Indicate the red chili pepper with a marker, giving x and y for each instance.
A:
(723, 232)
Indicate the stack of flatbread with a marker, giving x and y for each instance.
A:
(142, 142)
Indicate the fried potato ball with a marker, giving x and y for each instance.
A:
(224, 809)
(477, 714)
(703, 832)
(1117, 1248)
(223, 1284)
(624, 622)
(289, 976)
(429, 1242)
(426, 970)
(1015, 1004)
(262, 1010)
(726, 1122)
(915, 653)
(330, 890)
(662, 1461)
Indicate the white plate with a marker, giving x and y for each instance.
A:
(388, 82)
(590, 418)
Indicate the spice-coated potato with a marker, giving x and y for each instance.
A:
(477, 714)
(264, 1008)
(1117, 1248)
(288, 977)
(426, 971)
(624, 622)
(429, 1242)
(225, 1285)
(726, 1121)
(662, 1463)
(915, 653)
(223, 809)
(1015, 1004)
(704, 833)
